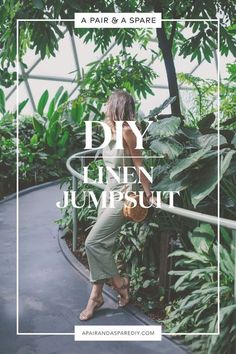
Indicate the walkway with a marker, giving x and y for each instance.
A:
(52, 292)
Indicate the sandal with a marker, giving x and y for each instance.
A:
(98, 303)
(122, 299)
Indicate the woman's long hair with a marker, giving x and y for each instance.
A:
(120, 106)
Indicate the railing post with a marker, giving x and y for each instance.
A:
(234, 245)
(165, 237)
(164, 250)
(74, 217)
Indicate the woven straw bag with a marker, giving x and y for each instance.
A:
(137, 213)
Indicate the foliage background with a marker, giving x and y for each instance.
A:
(187, 137)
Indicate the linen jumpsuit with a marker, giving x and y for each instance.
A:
(99, 244)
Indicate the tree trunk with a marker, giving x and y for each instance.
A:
(165, 47)
(170, 70)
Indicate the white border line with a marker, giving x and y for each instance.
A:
(72, 20)
(17, 179)
(218, 177)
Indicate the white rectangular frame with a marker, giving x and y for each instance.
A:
(17, 177)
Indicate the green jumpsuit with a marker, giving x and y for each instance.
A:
(100, 241)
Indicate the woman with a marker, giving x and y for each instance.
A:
(100, 241)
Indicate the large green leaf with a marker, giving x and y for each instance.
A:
(58, 94)
(51, 108)
(53, 133)
(193, 256)
(38, 126)
(63, 98)
(233, 141)
(201, 273)
(22, 105)
(189, 161)
(167, 147)
(165, 127)
(38, 4)
(34, 139)
(2, 101)
(77, 111)
(157, 110)
(226, 239)
(169, 185)
(64, 139)
(181, 280)
(226, 262)
(42, 102)
(190, 133)
(209, 178)
(202, 238)
(95, 111)
(55, 118)
(210, 140)
(227, 311)
(206, 121)
(53, 103)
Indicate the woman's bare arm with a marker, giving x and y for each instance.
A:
(130, 140)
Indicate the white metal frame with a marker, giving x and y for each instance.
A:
(17, 177)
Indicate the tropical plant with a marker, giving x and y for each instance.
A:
(171, 37)
(189, 156)
(43, 138)
(202, 98)
(190, 159)
(196, 286)
(85, 215)
(57, 128)
(33, 162)
(137, 254)
(7, 155)
(48, 128)
(227, 98)
(189, 162)
(117, 72)
(201, 101)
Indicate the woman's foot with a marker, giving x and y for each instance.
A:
(123, 291)
(93, 304)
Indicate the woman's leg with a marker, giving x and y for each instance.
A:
(121, 284)
(100, 242)
(94, 302)
(99, 247)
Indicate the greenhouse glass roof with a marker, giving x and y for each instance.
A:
(74, 55)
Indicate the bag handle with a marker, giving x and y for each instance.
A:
(136, 183)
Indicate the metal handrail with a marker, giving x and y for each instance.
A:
(231, 224)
